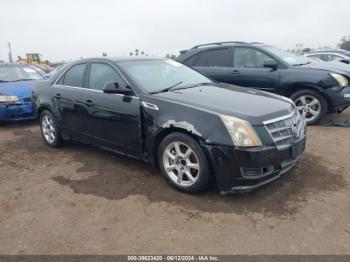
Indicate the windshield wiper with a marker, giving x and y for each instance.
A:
(194, 85)
(167, 89)
(4, 81)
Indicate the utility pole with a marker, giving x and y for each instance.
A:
(10, 53)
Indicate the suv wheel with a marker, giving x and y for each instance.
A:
(183, 163)
(311, 105)
(49, 129)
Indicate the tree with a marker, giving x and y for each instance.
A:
(131, 53)
(345, 43)
(306, 50)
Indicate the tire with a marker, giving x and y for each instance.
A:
(309, 103)
(193, 166)
(49, 129)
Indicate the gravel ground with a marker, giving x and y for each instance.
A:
(83, 200)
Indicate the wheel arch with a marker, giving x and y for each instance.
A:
(166, 131)
(302, 86)
(41, 109)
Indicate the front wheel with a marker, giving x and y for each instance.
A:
(311, 105)
(49, 129)
(183, 163)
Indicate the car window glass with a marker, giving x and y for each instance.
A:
(17, 73)
(249, 58)
(100, 74)
(191, 61)
(32, 73)
(155, 75)
(332, 57)
(218, 57)
(324, 57)
(74, 76)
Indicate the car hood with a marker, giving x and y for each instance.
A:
(335, 67)
(21, 89)
(251, 105)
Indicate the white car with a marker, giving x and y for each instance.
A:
(331, 55)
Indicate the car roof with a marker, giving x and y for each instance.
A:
(12, 65)
(215, 45)
(118, 59)
(226, 43)
(336, 51)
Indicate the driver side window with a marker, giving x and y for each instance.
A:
(100, 74)
(249, 57)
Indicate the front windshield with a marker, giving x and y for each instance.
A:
(156, 75)
(17, 73)
(287, 57)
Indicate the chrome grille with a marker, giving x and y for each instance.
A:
(284, 131)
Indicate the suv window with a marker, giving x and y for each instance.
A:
(334, 57)
(323, 57)
(100, 74)
(249, 57)
(74, 76)
(217, 57)
(192, 60)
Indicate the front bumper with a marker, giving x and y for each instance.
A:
(339, 101)
(242, 170)
(17, 112)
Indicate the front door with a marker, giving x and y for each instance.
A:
(112, 120)
(249, 70)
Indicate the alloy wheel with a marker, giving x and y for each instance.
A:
(309, 107)
(181, 164)
(48, 128)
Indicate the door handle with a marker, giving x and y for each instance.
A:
(89, 103)
(235, 72)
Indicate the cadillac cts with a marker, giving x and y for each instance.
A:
(198, 132)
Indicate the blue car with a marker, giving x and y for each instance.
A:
(16, 83)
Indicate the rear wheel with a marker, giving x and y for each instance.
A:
(183, 163)
(49, 129)
(311, 105)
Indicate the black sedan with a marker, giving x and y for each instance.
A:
(165, 113)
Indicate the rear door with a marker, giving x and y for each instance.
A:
(111, 120)
(67, 97)
(214, 63)
(250, 71)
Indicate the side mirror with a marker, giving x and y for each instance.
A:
(271, 64)
(114, 88)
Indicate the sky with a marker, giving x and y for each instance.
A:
(71, 29)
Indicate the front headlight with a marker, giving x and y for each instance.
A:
(8, 99)
(241, 132)
(342, 81)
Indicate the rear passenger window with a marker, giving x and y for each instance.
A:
(218, 57)
(74, 76)
(192, 60)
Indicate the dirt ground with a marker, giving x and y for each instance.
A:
(83, 200)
